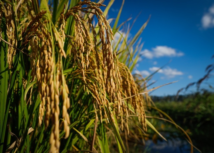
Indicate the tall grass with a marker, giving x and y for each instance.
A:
(62, 86)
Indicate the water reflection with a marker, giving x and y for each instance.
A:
(169, 146)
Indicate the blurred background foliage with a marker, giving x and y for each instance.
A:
(193, 111)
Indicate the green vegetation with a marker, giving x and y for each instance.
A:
(194, 114)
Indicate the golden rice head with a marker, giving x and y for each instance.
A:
(49, 76)
(131, 95)
(111, 77)
(42, 66)
(8, 12)
(34, 55)
(66, 106)
(82, 42)
(105, 70)
(42, 71)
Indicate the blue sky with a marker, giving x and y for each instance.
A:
(180, 31)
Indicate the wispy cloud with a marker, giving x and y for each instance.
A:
(114, 10)
(168, 72)
(155, 62)
(161, 51)
(190, 77)
(117, 37)
(208, 18)
(144, 73)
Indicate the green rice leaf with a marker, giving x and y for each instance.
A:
(114, 29)
(108, 7)
(59, 10)
(44, 7)
(153, 128)
(115, 127)
(81, 135)
(28, 88)
(139, 33)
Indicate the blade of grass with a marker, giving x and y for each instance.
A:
(190, 141)
(44, 7)
(139, 33)
(115, 127)
(102, 139)
(153, 128)
(114, 29)
(80, 133)
(28, 88)
(107, 8)
(35, 6)
(56, 11)
(147, 91)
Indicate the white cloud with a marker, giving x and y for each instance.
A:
(144, 73)
(161, 51)
(117, 37)
(211, 10)
(162, 78)
(208, 19)
(155, 69)
(190, 77)
(147, 53)
(139, 59)
(155, 62)
(168, 72)
(137, 65)
(153, 81)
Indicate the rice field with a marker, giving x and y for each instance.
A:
(64, 86)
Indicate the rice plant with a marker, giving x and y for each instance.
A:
(62, 86)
